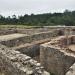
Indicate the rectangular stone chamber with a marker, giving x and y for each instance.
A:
(15, 63)
(19, 43)
(28, 44)
(57, 59)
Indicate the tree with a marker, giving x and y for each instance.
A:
(67, 18)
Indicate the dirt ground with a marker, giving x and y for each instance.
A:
(11, 36)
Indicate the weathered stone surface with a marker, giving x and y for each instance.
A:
(14, 63)
(56, 59)
(7, 31)
(28, 38)
(16, 55)
(31, 49)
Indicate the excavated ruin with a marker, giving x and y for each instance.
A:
(40, 51)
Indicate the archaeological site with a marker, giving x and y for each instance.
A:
(37, 51)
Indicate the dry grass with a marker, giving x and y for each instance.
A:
(19, 26)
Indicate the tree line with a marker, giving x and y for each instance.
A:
(66, 18)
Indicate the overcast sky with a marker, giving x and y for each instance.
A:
(21, 7)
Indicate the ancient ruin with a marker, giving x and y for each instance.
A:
(40, 51)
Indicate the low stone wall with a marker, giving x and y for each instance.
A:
(54, 60)
(33, 31)
(31, 50)
(73, 39)
(29, 38)
(14, 63)
(7, 31)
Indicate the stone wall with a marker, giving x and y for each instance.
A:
(31, 50)
(14, 63)
(29, 38)
(30, 31)
(7, 31)
(33, 31)
(54, 60)
(73, 39)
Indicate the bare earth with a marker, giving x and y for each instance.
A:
(72, 47)
(11, 36)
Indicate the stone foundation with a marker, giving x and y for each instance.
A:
(20, 47)
(58, 55)
(14, 63)
(54, 60)
(28, 39)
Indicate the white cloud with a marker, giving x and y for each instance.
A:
(9, 7)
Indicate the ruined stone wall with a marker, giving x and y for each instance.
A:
(14, 63)
(31, 50)
(7, 31)
(67, 40)
(73, 39)
(54, 60)
(6, 67)
(30, 31)
(33, 31)
(29, 38)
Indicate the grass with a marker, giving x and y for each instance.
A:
(19, 26)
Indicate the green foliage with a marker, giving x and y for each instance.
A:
(67, 18)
